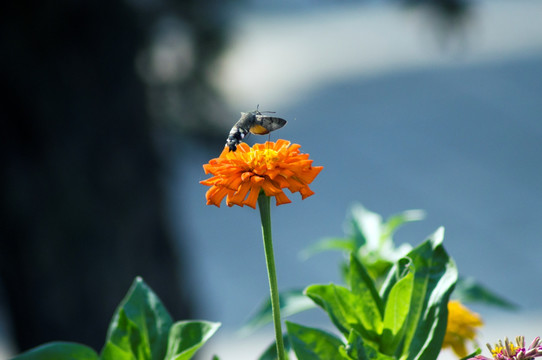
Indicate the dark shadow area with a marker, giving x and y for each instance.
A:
(82, 201)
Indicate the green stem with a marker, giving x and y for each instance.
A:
(264, 203)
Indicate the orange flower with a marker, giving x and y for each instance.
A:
(462, 324)
(241, 175)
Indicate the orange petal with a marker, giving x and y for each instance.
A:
(253, 196)
(305, 192)
(239, 195)
(246, 175)
(215, 195)
(281, 198)
(270, 189)
(281, 143)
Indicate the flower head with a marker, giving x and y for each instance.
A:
(462, 324)
(517, 351)
(241, 175)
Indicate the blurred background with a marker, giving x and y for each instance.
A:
(109, 110)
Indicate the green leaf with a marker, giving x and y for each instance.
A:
(401, 268)
(59, 351)
(395, 221)
(139, 328)
(472, 354)
(125, 342)
(271, 351)
(470, 290)
(354, 347)
(435, 275)
(341, 244)
(313, 344)
(347, 310)
(362, 284)
(376, 268)
(186, 337)
(291, 302)
(378, 252)
(366, 227)
(357, 349)
(395, 316)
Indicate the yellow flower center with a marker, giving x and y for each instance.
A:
(263, 158)
(497, 350)
(501, 350)
(270, 155)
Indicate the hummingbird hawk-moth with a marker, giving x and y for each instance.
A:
(256, 123)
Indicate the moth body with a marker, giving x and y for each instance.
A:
(254, 122)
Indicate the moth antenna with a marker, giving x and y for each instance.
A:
(263, 112)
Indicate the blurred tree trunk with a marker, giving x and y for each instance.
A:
(81, 207)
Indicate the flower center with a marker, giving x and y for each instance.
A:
(270, 155)
(266, 158)
(501, 350)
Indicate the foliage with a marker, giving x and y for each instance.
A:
(291, 302)
(406, 319)
(370, 239)
(469, 289)
(388, 308)
(141, 329)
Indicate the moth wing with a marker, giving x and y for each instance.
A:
(265, 124)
